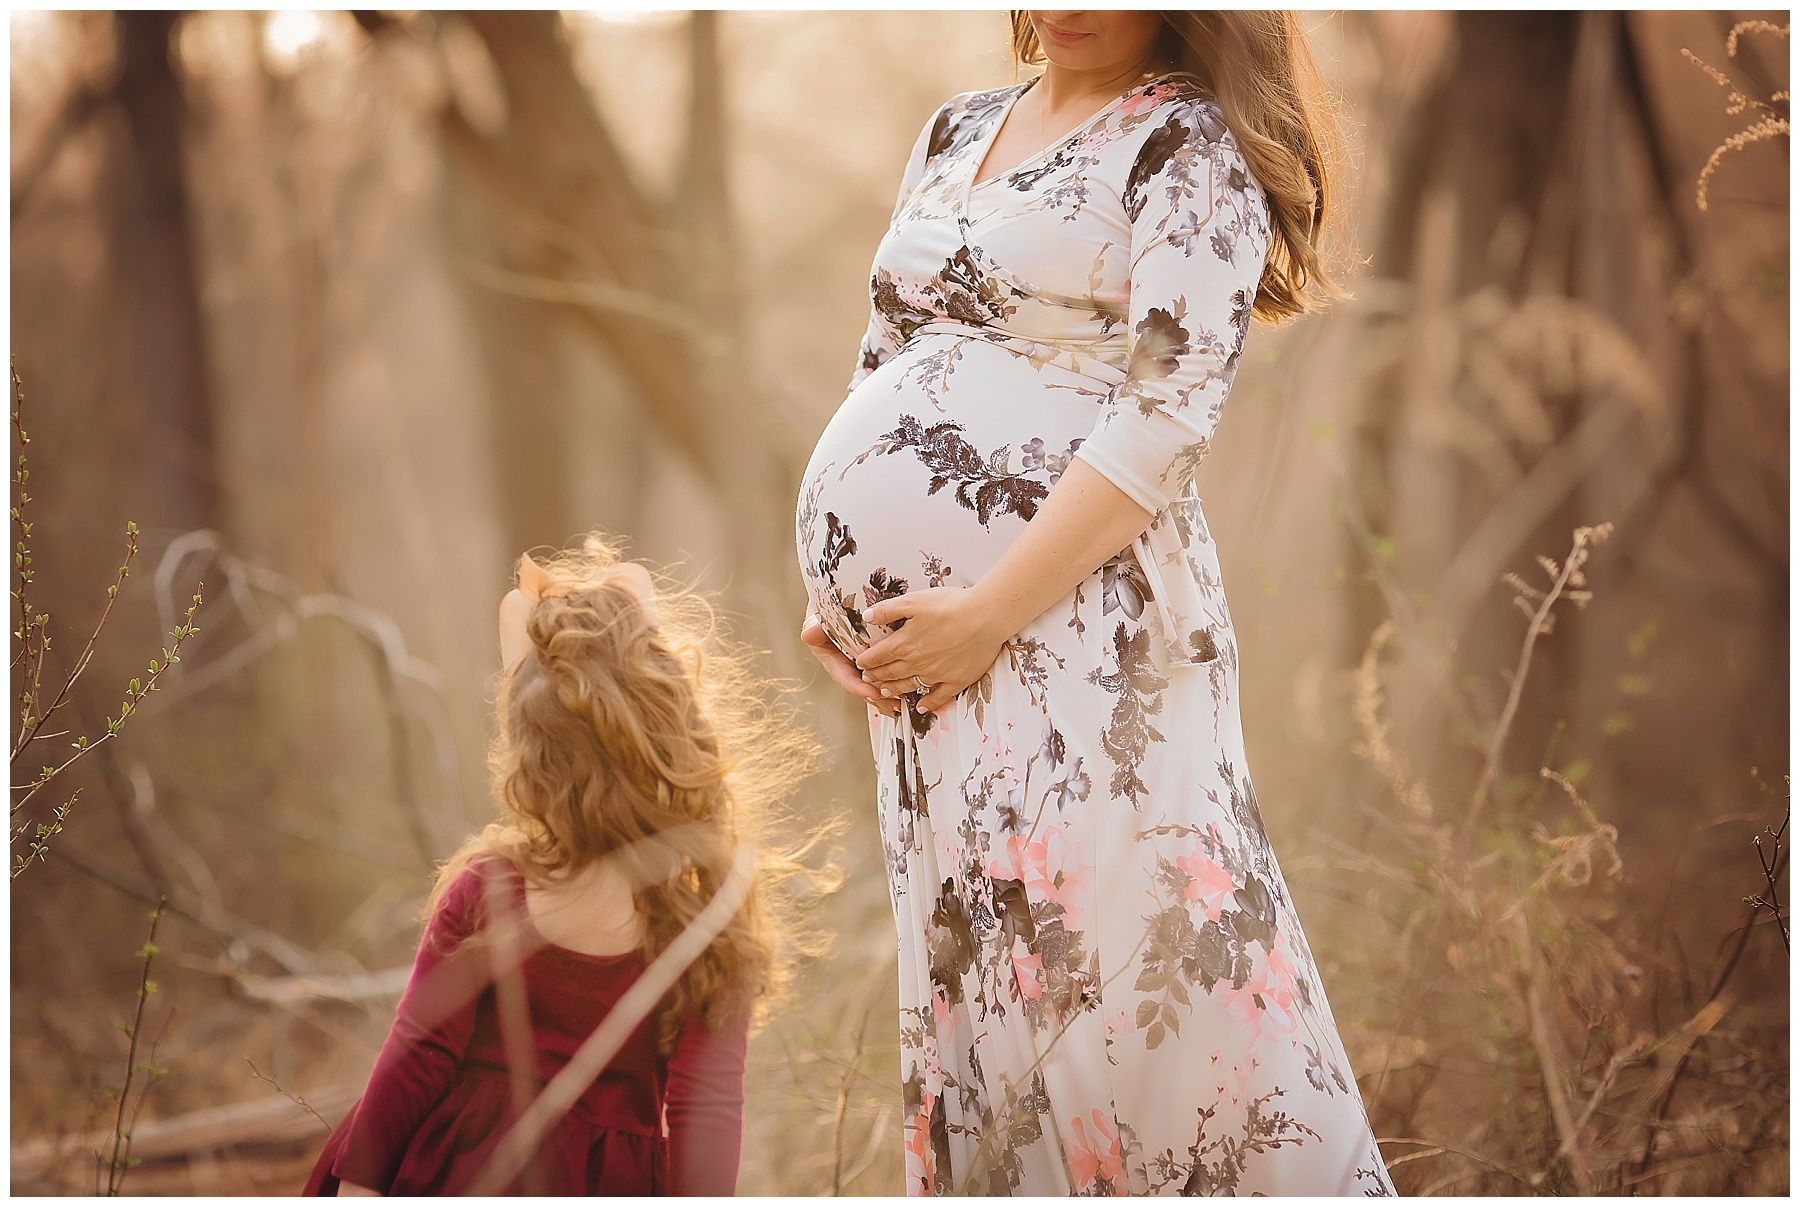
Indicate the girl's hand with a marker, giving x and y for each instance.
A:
(843, 672)
(352, 1190)
(950, 639)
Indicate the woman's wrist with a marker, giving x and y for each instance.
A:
(1085, 520)
(994, 609)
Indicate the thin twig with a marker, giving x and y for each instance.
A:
(32, 633)
(29, 725)
(247, 585)
(1771, 862)
(115, 1176)
(152, 1071)
(843, 1102)
(294, 1098)
(136, 691)
(1435, 1147)
(1568, 574)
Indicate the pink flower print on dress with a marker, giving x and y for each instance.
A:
(1028, 972)
(948, 845)
(1240, 1081)
(1209, 883)
(978, 385)
(1051, 868)
(940, 1013)
(1000, 750)
(1249, 1016)
(920, 1168)
(1006, 861)
(1056, 872)
(1141, 100)
(934, 1070)
(1095, 1157)
(1265, 1003)
(1281, 979)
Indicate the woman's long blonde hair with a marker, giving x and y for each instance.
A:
(1259, 67)
(650, 741)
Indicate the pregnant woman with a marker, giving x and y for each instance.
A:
(1104, 986)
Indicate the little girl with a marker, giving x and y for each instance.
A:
(633, 757)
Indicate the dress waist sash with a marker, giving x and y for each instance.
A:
(1102, 361)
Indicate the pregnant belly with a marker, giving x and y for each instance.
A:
(929, 470)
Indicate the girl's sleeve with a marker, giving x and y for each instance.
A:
(705, 1106)
(878, 341)
(430, 1033)
(1199, 238)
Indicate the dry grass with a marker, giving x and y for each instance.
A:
(1768, 116)
(1515, 1046)
(1523, 1020)
(1511, 1044)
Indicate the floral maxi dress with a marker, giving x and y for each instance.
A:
(1104, 986)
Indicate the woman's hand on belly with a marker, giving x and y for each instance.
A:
(948, 640)
(953, 634)
(843, 672)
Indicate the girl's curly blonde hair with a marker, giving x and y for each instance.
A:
(647, 738)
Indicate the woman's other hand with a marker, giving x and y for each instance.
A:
(949, 639)
(843, 672)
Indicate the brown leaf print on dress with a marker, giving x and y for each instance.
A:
(1129, 732)
(1086, 895)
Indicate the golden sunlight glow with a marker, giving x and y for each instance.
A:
(627, 16)
(288, 34)
(27, 22)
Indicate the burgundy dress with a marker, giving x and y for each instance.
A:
(439, 1100)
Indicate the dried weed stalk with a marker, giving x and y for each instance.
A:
(1768, 117)
(1517, 952)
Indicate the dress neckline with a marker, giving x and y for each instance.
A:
(985, 143)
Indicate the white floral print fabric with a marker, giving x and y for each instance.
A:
(1104, 986)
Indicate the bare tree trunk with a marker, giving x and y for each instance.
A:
(741, 459)
(158, 298)
(647, 282)
(1471, 160)
(582, 251)
(1534, 175)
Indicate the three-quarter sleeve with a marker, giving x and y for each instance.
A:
(430, 1033)
(1199, 239)
(878, 339)
(704, 1106)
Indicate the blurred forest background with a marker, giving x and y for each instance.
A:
(344, 311)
